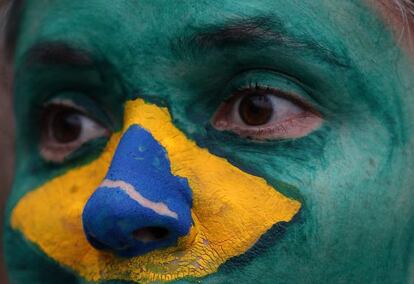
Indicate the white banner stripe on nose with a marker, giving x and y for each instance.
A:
(158, 207)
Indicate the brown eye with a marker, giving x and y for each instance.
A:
(265, 113)
(65, 124)
(64, 128)
(256, 109)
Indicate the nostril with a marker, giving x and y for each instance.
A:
(151, 234)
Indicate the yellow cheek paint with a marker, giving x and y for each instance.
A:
(231, 210)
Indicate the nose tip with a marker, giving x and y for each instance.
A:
(140, 206)
(114, 221)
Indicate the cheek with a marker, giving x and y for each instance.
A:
(353, 182)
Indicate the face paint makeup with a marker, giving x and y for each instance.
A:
(228, 215)
(166, 69)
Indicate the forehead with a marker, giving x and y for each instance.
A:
(133, 27)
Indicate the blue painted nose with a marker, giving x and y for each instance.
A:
(140, 206)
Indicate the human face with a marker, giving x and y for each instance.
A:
(222, 142)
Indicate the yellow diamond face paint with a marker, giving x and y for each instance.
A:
(231, 210)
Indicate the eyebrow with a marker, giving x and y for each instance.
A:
(58, 53)
(258, 32)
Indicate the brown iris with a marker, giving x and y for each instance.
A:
(63, 124)
(256, 109)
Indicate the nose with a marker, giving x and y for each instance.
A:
(140, 206)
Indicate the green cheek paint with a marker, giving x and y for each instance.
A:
(353, 174)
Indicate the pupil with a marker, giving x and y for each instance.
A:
(66, 126)
(256, 109)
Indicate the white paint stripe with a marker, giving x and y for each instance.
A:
(158, 207)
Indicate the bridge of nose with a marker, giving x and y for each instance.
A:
(142, 162)
(140, 206)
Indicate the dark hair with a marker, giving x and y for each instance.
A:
(11, 27)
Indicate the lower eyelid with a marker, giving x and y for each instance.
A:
(303, 125)
(56, 154)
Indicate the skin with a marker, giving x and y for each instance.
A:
(352, 174)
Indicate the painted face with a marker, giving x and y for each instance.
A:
(224, 142)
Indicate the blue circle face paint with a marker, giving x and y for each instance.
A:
(140, 206)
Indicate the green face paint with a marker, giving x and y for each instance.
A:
(351, 174)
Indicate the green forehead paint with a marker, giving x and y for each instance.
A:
(352, 175)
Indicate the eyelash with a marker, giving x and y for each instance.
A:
(256, 86)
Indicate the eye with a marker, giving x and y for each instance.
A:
(64, 128)
(265, 113)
